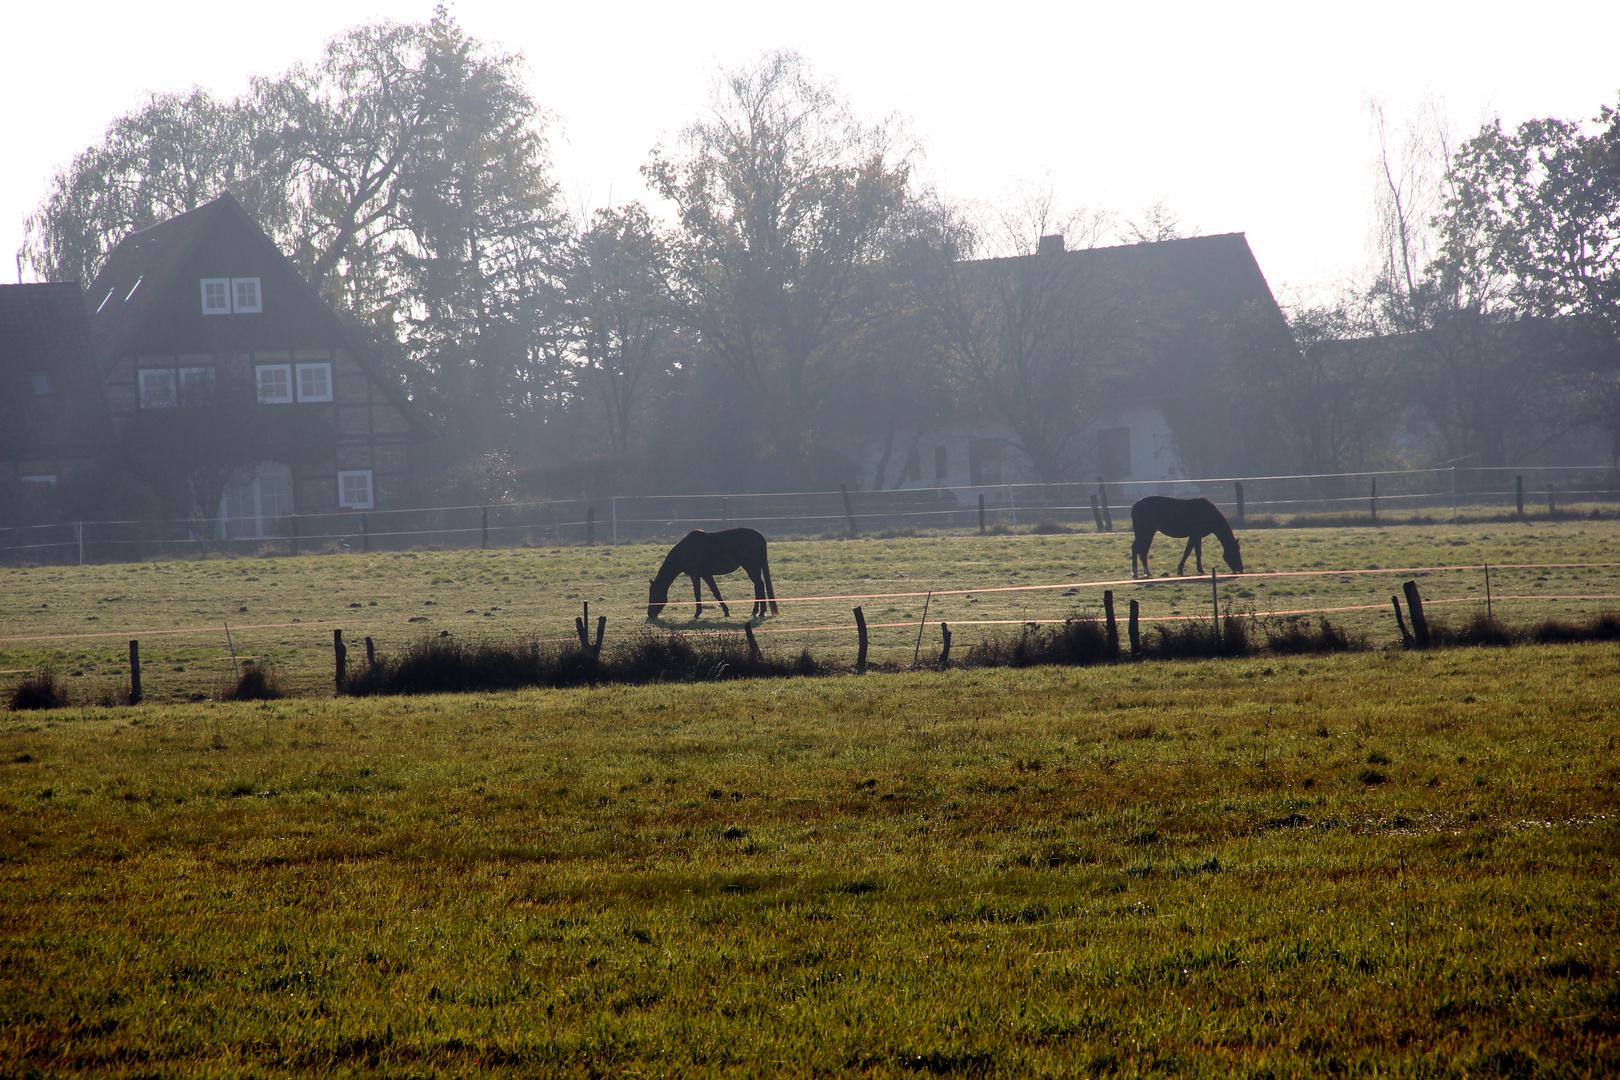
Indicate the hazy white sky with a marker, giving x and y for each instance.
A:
(1244, 117)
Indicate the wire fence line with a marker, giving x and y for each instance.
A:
(1160, 582)
(1337, 498)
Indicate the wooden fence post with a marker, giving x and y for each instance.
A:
(945, 652)
(981, 513)
(849, 510)
(371, 656)
(292, 536)
(1096, 513)
(1373, 505)
(1552, 507)
(1238, 484)
(753, 646)
(590, 526)
(1113, 627)
(1215, 605)
(860, 630)
(1406, 636)
(134, 672)
(1135, 631)
(365, 534)
(582, 625)
(1414, 604)
(483, 532)
(1102, 497)
(340, 655)
(1518, 492)
(725, 513)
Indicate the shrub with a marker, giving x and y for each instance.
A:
(257, 682)
(1288, 635)
(1074, 641)
(1605, 627)
(41, 690)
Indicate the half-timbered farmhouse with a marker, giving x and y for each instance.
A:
(221, 364)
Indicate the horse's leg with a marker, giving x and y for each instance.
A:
(770, 590)
(697, 594)
(716, 590)
(1140, 546)
(754, 575)
(1192, 542)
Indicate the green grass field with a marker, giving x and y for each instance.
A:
(1378, 863)
(1401, 864)
(284, 609)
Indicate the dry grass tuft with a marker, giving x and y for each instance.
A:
(41, 690)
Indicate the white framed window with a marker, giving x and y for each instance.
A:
(275, 383)
(354, 489)
(41, 384)
(196, 385)
(216, 296)
(314, 382)
(245, 297)
(157, 388)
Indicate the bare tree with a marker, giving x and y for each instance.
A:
(620, 316)
(784, 202)
(1159, 223)
(1489, 401)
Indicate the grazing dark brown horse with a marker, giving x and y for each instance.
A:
(1192, 518)
(701, 555)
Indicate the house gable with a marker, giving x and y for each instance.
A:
(203, 310)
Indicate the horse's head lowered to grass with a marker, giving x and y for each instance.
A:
(657, 597)
(1232, 551)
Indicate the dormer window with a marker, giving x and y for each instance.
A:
(226, 296)
(216, 296)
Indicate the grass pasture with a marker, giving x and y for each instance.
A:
(1397, 864)
(283, 610)
(1375, 863)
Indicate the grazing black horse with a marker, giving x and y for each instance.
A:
(701, 555)
(1192, 518)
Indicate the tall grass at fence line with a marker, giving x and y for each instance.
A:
(1483, 629)
(450, 665)
(438, 665)
(1083, 640)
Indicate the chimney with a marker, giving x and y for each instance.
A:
(1051, 245)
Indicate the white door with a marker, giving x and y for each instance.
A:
(257, 503)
